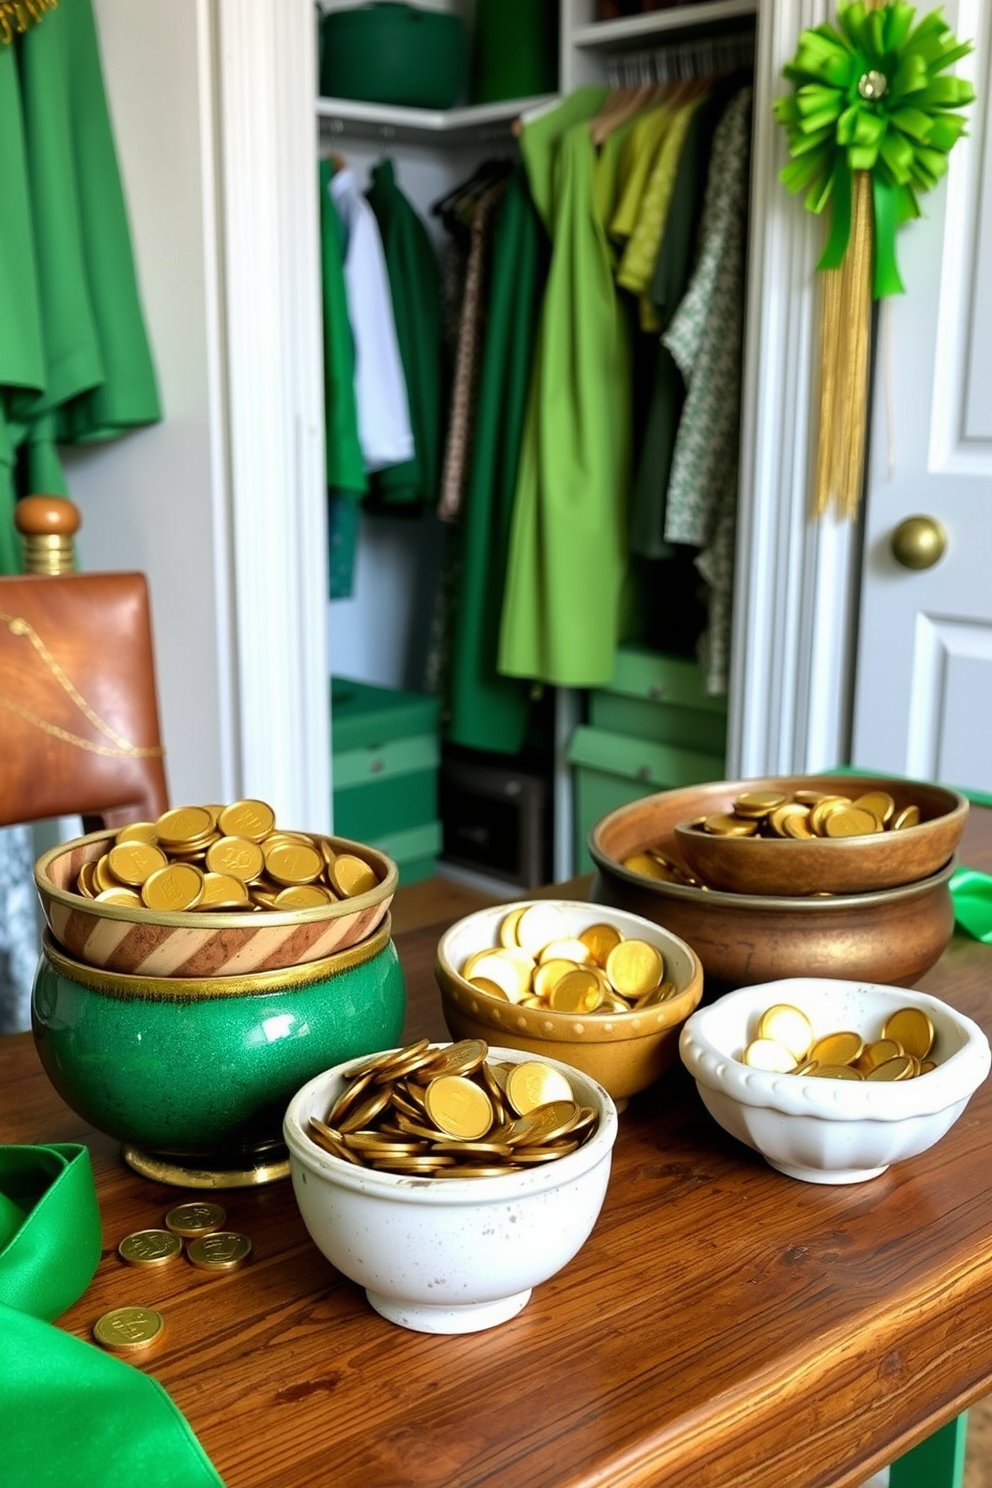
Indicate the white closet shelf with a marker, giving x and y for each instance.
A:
(630, 30)
(390, 121)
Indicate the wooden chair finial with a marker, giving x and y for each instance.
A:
(48, 524)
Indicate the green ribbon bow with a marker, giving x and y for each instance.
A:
(870, 97)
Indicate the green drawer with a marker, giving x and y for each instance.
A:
(611, 770)
(660, 698)
(363, 715)
(415, 851)
(654, 677)
(390, 803)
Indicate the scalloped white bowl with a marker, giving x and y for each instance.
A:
(831, 1131)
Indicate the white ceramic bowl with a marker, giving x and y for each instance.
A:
(831, 1131)
(448, 1255)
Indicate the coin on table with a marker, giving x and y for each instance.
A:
(128, 1329)
(224, 1250)
(195, 1219)
(150, 1247)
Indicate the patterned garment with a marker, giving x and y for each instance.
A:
(706, 340)
(471, 331)
(19, 942)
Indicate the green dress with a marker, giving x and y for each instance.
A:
(65, 236)
(568, 543)
(415, 290)
(487, 710)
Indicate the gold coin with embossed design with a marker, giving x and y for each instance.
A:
(128, 1329)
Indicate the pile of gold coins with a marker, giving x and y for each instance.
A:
(194, 1229)
(809, 813)
(784, 1043)
(453, 1113)
(221, 858)
(539, 962)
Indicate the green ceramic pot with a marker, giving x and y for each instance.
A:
(194, 1076)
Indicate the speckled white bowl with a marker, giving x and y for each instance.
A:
(831, 1131)
(447, 1255)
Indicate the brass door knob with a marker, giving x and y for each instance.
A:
(919, 542)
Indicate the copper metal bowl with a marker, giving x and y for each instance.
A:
(889, 935)
(843, 865)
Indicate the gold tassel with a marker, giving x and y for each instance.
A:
(17, 15)
(845, 350)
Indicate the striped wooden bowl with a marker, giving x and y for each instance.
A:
(145, 942)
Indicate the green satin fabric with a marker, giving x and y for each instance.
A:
(971, 892)
(74, 1416)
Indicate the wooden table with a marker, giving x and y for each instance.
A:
(724, 1325)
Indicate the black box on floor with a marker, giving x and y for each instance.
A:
(495, 821)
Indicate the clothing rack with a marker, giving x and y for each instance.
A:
(704, 56)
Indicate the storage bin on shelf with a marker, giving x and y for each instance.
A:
(386, 753)
(652, 728)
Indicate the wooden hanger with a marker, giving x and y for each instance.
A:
(618, 109)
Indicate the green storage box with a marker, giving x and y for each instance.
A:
(658, 697)
(415, 851)
(514, 49)
(394, 53)
(611, 770)
(386, 752)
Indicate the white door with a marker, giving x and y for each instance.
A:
(923, 683)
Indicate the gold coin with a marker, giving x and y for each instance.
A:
(722, 824)
(759, 803)
(195, 1218)
(578, 991)
(600, 940)
(103, 878)
(544, 1123)
(912, 1028)
(138, 832)
(128, 1329)
(491, 989)
(823, 809)
(293, 863)
(532, 1084)
(879, 803)
(132, 862)
(150, 1247)
(184, 825)
(222, 1251)
(252, 819)
(495, 966)
(909, 816)
(878, 1052)
(458, 1107)
(84, 880)
(835, 1072)
(223, 891)
(365, 1110)
(569, 948)
(508, 927)
(463, 1058)
(901, 1067)
(778, 819)
(301, 896)
(926, 1065)
(635, 966)
(787, 1025)
(648, 866)
(173, 889)
(549, 973)
(120, 895)
(327, 852)
(238, 856)
(768, 1054)
(797, 827)
(851, 822)
(843, 1047)
(539, 925)
(351, 876)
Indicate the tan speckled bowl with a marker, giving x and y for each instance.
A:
(625, 1052)
(144, 942)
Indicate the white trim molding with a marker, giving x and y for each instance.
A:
(796, 593)
(266, 70)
